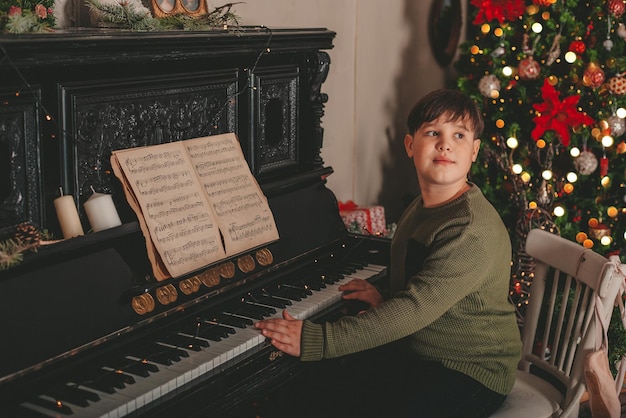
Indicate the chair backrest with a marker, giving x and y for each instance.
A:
(561, 326)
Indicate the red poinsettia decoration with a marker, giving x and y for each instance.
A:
(503, 10)
(558, 116)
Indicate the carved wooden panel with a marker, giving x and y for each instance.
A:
(20, 171)
(102, 117)
(276, 99)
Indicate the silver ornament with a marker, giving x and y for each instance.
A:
(617, 125)
(489, 86)
(586, 163)
(544, 194)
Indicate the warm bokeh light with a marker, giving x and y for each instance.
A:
(517, 168)
(512, 142)
(570, 57)
(574, 152)
(612, 211)
(571, 177)
(559, 211)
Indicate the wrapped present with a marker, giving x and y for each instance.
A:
(365, 220)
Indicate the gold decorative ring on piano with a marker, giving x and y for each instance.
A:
(186, 286)
(264, 257)
(143, 304)
(246, 263)
(227, 270)
(195, 284)
(163, 295)
(166, 294)
(211, 277)
(173, 292)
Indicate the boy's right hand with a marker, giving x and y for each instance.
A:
(359, 289)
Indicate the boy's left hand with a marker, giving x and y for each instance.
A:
(284, 333)
(359, 289)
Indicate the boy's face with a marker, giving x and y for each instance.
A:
(442, 151)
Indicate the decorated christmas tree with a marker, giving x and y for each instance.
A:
(550, 78)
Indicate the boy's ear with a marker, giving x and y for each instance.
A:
(408, 145)
(476, 149)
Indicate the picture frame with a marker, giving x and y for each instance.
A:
(165, 8)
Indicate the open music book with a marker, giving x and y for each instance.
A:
(196, 200)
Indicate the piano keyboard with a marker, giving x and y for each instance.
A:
(148, 373)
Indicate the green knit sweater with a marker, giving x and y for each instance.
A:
(449, 275)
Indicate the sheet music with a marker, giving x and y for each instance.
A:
(240, 207)
(176, 213)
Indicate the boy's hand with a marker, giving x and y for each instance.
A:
(284, 333)
(359, 289)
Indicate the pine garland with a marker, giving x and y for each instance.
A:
(27, 238)
(124, 15)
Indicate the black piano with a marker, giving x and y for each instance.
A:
(85, 329)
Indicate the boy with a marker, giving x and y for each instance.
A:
(454, 334)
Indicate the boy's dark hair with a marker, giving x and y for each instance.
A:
(453, 103)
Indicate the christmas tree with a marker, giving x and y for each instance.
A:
(550, 78)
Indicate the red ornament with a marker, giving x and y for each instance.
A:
(604, 166)
(543, 3)
(617, 7)
(578, 47)
(528, 69)
(593, 76)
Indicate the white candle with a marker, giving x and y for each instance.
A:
(101, 212)
(68, 216)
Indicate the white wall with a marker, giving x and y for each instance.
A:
(381, 64)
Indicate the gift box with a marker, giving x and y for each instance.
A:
(368, 220)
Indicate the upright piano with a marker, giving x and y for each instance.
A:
(85, 329)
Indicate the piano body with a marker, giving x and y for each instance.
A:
(86, 330)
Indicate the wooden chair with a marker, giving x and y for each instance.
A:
(561, 326)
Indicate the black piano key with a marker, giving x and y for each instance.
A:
(108, 381)
(268, 301)
(25, 412)
(315, 283)
(230, 320)
(357, 265)
(249, 311)
(132, 366)
(291, 293)
(140, 368)
(77, 396)
(57, 407)
(158, 353)
(302, 287)
(184, 341)
(217, 332)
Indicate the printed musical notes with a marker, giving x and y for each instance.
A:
(242, 212)
(196, 200)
